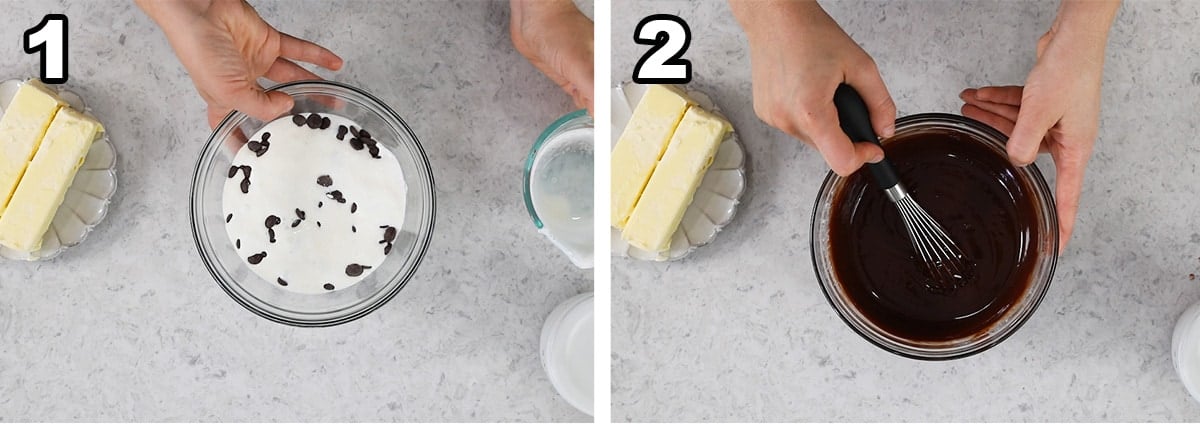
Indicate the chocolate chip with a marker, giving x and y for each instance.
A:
(354, 131)
(328, 286)
(271, 234)
(374, 150)
(314, 121)
(341, 135)
(387, 249)
(324, 181)
(238, 243)
(336, 195)
(318, 224)
(245, 178)
(266, 145)
(325, 122)
(256, 258)
(356, 144)
(233, 170)
(295, 223)
(353, 207)
(299, 213)
(355, 270)
(353, 229)
(254, 146)
(298, 119)
(364, 134)
(228, 218)
(389, 234)
(281, 281)
(272, 221)
(319, 204)
(266, 136)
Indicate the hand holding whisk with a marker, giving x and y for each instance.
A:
(945, 261)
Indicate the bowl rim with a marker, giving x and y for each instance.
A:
(1039, 183)
(421, 248)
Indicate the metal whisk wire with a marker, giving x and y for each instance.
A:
(943, 259)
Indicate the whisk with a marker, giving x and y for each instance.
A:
(945, 262)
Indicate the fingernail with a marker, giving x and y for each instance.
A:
(888, 132)
(1020, 163)
(876, 158)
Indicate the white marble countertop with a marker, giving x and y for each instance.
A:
(740, 330)
(130, 326)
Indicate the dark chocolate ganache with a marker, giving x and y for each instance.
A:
(974, 192)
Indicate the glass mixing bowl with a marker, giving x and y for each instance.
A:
(998, 330)
(267, 299)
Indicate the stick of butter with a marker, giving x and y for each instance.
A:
(641, 145)
(41, 190)
(21, 129)
(674, 183)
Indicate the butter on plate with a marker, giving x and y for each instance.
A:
(641, 145)
(693, 146)
(21, 130)
(41, 190)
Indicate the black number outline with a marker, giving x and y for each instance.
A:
(658, 42)
(40, 49)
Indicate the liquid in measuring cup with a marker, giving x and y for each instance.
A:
(561, 191)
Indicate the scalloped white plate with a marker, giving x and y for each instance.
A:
(717, 197)
(86, 202)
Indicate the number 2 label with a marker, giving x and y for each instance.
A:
(50, 39)
(663, 64)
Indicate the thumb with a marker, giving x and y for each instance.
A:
(582, 78)
(1067, 189)
(1034, 119)
(260, 105)
(843, 156)
(869, 84)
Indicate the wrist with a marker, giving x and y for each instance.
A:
(1086, 20)
(168, 13)
(766, 19)
(541, 9)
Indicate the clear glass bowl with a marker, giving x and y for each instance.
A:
(1043, 272)
(267, 299)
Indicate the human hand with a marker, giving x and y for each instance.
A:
(557, 39)
(799, 55)
(1058, 109)
(225, 47)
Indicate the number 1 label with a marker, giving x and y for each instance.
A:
(663, 64)
(50, 39)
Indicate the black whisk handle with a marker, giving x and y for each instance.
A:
(856, 123)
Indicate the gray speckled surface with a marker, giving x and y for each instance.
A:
(740, 330)
(129, 325)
